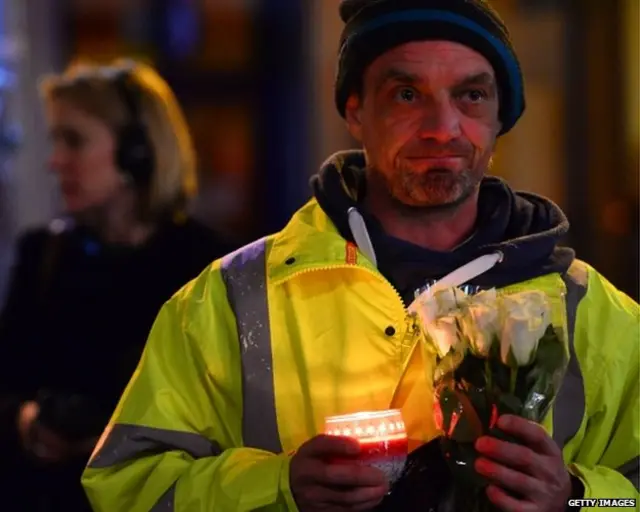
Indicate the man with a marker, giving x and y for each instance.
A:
(245, 363)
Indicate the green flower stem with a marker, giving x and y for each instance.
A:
(513, 380)
(487, 375)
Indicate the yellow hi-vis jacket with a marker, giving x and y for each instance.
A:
(244, 363)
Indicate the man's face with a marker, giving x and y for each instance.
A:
(428, 120)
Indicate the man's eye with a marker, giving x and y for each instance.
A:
(475, 95)
(406, 95)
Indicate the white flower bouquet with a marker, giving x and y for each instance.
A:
(493, 354)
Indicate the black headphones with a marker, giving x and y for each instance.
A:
(134, 152)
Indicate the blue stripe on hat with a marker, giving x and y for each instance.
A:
(450, 17)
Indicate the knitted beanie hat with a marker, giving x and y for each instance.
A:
(373, 27)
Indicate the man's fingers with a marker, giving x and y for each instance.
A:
(531, 434)
(324, 472)
(513, 456)
(324, 446)
(351, 475)
(510, 479)
(359, 498)
(341, 474)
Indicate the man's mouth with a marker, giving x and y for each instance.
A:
(443, 161)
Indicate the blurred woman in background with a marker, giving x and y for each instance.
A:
(86, 289)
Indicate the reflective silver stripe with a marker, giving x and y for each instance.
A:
(128, 442)
(569, 406)
(244, 274)
(167, 502)
(631, 471)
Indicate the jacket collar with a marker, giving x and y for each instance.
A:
(310, 241)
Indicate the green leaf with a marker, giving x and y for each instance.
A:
(524, 380)
(542, 390)
(509, 404)
(551, 354)
(481, 402)
(542, 379)
(501, 375)
(471, 370)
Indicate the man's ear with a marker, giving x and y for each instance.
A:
(353, 114)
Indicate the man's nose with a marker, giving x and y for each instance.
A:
(440, 121)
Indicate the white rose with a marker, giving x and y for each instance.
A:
(481, 325)
(526, 318)
(433, 304)
(486, 297)
(449, 299)
(427, 309)
(438, 310)
(444, 333)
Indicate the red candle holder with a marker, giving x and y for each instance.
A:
(382, 437)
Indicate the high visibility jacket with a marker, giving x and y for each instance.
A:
(243, 365)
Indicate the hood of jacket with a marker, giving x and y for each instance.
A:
(526, 228)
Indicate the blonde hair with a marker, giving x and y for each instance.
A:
(93, 89)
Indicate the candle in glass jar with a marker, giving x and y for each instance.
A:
(382, 437)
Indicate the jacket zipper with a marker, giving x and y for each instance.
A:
(377, 275)
(411, 327)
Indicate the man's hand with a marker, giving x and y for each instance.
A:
(323, 478)
(535, 472)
